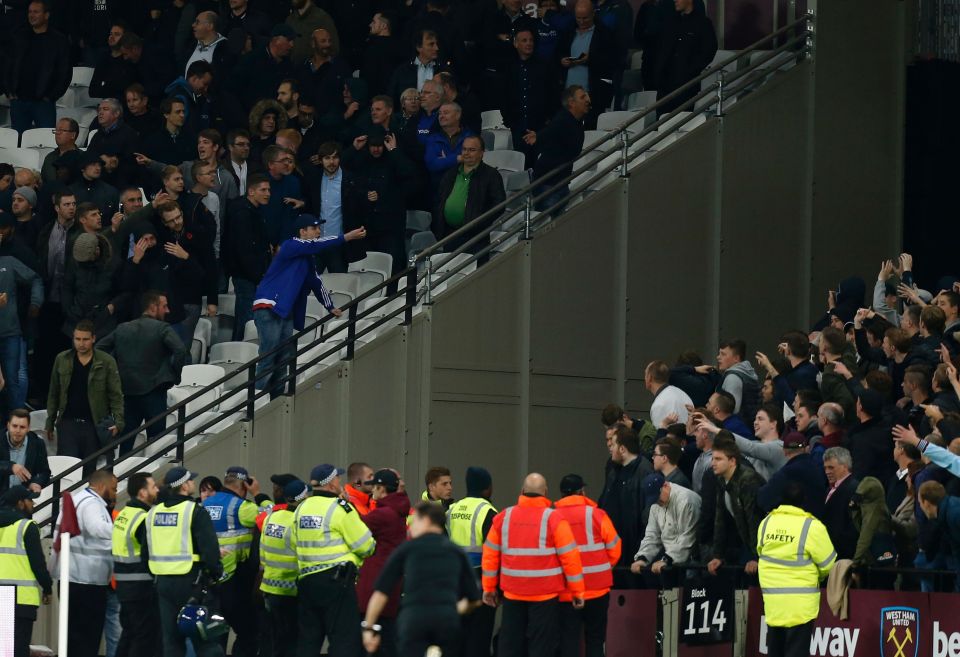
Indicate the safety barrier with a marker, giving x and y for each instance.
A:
(633, 140)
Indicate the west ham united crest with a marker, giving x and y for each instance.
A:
(899, 632)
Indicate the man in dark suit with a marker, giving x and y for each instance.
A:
(23, 455)
(532, 92)
(560, 142)
(838, 466)
(688, 46)
(421, 68)
(588, 57)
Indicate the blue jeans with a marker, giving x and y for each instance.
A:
(272, 330)
(244, 292)
(939, 562)
(23, 376)
(26, 114)
(10, 366)
(111, 625)
(137, 409)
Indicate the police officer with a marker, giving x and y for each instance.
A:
(331, 542)
(468, 522)
(234, 517)
(280, 570)
(22, 564)
(182, 545)
(795, 554)
(135, 591)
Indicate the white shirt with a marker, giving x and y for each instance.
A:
(241, 171)
(91, 557)
(669, 399)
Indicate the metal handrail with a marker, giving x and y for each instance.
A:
(410, 277)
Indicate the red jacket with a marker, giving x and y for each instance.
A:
(388, 524)
(361, 501)
(597, 541)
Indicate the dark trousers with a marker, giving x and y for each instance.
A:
(333, 259)
(477, 632)
(26, 114)
(789, 641)
(328, 610)
(22, 632)
(88, 609)
(50, 342)
(529, 629)
(421, 626)
(173, 591)
(589, 624)
(243, 305)
(141, 634)
(137, 409)
(281, 628)
(78, 438)
(10, 366)
(237, 604)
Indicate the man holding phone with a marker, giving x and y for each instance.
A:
(588, 55)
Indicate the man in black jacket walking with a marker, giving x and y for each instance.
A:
(149, 356)
(23, 455)
(38, 71)
(246, 247)
(688, 46)
(559, 143)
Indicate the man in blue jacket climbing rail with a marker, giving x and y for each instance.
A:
(280, 304)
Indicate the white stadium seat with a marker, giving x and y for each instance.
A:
(9, 138)
(505, 160)
(38, 137)
(21, 158)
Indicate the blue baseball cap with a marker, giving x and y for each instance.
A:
(324, 473)
(307, 220)
(651, 485)
(296, 491)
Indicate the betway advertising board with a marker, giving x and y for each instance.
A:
(881, 624)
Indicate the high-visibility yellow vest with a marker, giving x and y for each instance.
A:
(424, 497)
(328, 531)
(169, 539)
(795, 553)
(127, 550)
(279, 559)
(233, 520)
(465, 525)
(15, 567)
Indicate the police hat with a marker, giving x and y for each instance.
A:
(324, 473)
(178, 476)
(238, 472)
(296, 491)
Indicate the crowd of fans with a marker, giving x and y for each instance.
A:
(235, 117)
(861, 412)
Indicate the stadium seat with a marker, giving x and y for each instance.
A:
(343, 288)
(497, 140)
(636, 60)
(722, 55)
(90, 137)
(21, 158)
(9, 138)
(82, 76)
(641, 100)
(232, 356)
(372, 271)
(505, 244)
(456, 267)
(38, 137)
(611, 121)
(491, 120)
(201, 375)
(667, 125)
(38, 422)
(250, 332)
(505, 160)
(418, 220)
(591, 139)
(369, 309)
(420, 241)
(315, 308)
(201, 340)
(136, 464)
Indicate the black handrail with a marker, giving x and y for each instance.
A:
(411, 276)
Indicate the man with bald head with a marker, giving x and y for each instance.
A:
(211, 46)
(531, 555)
(588, 56)
(323, 74)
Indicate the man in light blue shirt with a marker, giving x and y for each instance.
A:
(331, 208)
(576, 64)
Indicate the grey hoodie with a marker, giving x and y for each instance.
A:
(13, 274)
(734, 384)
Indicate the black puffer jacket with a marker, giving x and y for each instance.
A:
(88, 288)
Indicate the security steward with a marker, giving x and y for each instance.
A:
(182, 547)
(234, 519)
(795, 554)
(280, 570)
(531, 555)
(600, 548)
(331, 542)
(468, 522)
(131, 570)
(22, 563)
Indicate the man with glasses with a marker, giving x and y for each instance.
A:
(65, 135)
(238, 147)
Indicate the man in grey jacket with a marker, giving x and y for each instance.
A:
(765, 454)
(13, 273)
(150, 356)
(671, 533)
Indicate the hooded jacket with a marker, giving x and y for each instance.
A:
(851, 294)
(88, 288)
(742, 382)
(872, 520)
(198, 109)
(388, 524)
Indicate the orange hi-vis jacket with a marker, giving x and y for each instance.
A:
(597, 540)
(531, 554)
(361, 501)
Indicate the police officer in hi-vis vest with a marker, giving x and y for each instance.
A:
(181, 545)
(234, 519)
(468, 522)
(331, 542)
(22, 563)
(280, 570)
(135, 590)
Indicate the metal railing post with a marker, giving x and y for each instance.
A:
(411, 292)
(351, 330)
(811, 32)
(181, 432)
(55, 500)
(428, 290)
(721, 78)
(624, 152)
(292, 372)
(527, 215)
(251, 392)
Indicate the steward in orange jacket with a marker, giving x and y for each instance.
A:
(531, 555)
(599, 547)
